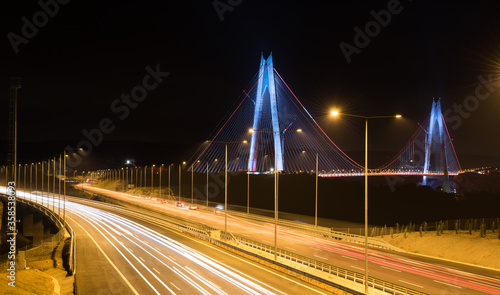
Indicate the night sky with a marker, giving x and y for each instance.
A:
(90, 52)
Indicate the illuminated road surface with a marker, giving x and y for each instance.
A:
(120, 251)
(424, 274)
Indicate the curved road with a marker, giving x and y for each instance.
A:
(425, 274)
(122, 251)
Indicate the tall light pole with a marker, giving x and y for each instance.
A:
(161, 168)
(42, 183)
(59, 182)
(316, 203)
(248, 192)
(31, 179)
(336, 113)
(207, 183)
(275, 189)
(54, 186)
(180, 179)
(152, 189)
(169, 191)
(225, 176)
(64, 192)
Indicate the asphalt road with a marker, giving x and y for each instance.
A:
(425, 274)
(121, 251)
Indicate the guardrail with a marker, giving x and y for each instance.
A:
(326, 268)
(316, 280)
(203, 231)
(56, 239)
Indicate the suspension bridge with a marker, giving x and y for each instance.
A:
(269, 128)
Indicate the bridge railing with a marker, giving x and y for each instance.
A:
(325, 268)
(50, 243)
(330, 269)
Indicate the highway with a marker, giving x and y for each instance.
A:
(424, 274)
(121, 251)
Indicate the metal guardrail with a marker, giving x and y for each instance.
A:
(356, 277)
(304, 275)
(202, 231)
(56, 239)
(330, 269)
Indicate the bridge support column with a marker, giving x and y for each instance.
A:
(28, 225)
(38, 231)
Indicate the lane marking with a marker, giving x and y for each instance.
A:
(129, 249)
(156, 270)
(176, 231)
(106, 256)
(390, 268)
(320, 257)
(175, 286)
(352, 258)
(448, 284)
(357, 267)
(172, 258)
(410, 283)
(157, 249)
(291, 248)
(142, 259)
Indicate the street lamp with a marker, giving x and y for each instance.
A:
(275, 170)
(180, 178)
(336, 113)
(225, 177)
(161, 168)
(152, 189)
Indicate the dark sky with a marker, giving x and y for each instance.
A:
(90, 52)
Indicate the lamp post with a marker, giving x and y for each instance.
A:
(316, 197)
(275, 189)
(180, 179)
(225, 177)
(248, 192)
(152, 189)
(161, 168)
(42, 183)
(169, 191)
(336, 113)
(31, 179)
(36, 182)
(207, 183)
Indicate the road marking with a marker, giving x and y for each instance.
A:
(175, 286)
(451, 285)
(156, 270)
(349, 257)
(142, 259)
(320, 257)
(157, 249)
(107, 258)
(172, 257)
(178, 232)
(291, 248)
(131, 250)
(390, 268)
(357, 267)
(410, 283)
